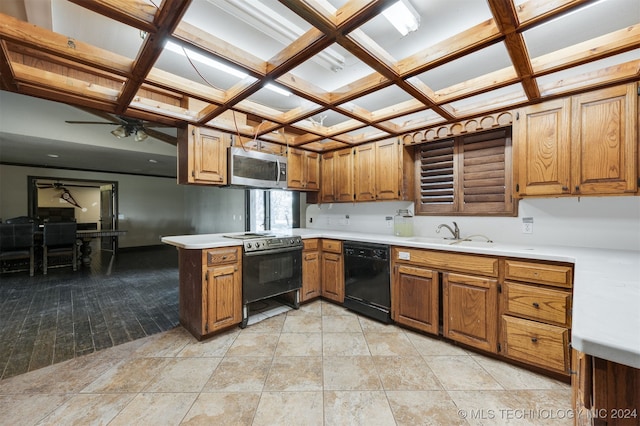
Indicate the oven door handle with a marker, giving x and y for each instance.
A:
(274, 251)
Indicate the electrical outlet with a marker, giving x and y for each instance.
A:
(389, 221)
(527, 225)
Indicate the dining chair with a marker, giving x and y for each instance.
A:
(59, 240)
(16, 242)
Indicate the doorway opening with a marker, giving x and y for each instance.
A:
(92, 204)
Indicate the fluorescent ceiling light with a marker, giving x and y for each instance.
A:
(277, 89)
(402, 16)
(195, 56)
(265, 19)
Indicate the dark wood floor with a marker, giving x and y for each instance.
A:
(65, 314)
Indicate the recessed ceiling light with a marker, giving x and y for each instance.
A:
(152, 161)
(53, 155)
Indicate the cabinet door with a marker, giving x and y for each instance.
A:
(221, 298)
(311, 284)
(365, 172)
(542, 149)
(295, 169)
(388, 170)
(470, 310)
(414, 296)
(328, 187)
(312, 170)
(333, 277)
(603, 133)
(344, 175)
(210, 156)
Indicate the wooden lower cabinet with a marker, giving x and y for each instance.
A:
(210, 290)
(604, 393)
(470, 304)
(536, 343)
(332, 271)
(415, 293)
(311, 274)
(535, 311)
(519, 309)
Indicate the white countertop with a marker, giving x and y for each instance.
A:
(606, 290)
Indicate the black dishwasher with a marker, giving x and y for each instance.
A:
(366, 280)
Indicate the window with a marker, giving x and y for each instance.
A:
(272, 210)
(466, 175)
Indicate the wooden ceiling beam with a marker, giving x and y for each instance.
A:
(475, 38)
(46, 41)
(506, 19)
(50, 93)
(166, 19)
(6, 71)
(535, 12)
(134, 13)
(208, 44)
(601, 47)
(63, 84)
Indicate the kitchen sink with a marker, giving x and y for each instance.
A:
(431, 240)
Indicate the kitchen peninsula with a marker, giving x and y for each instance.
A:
(602, 323)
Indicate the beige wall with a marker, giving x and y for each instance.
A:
(150, 207)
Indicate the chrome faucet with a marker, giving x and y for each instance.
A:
(455, 231)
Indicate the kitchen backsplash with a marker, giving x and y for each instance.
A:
(602, 222)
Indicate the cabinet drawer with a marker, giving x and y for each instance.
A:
(479, 265)
(222, 255)
(333, 246)
(310, 244)
(537, 303)
(541, 273)
(536, 343)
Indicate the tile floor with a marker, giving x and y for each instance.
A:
(319, 365)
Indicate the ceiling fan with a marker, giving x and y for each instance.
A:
(139, 129)
(65, 194)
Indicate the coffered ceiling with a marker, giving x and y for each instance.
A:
(349, 76)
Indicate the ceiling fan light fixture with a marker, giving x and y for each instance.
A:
(402, 16)
(120, 132)
(140, 135)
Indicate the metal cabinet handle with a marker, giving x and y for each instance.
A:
(534, 339)
(536, 305)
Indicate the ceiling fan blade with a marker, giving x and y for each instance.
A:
(148, 124)
(161, 136)
(91, 122)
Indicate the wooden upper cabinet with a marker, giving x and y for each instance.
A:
(603, 133)
(365, 172)
(202, 156)
(583, 145)
(312, 170)
(303, 169)
(542, 149)
(388, 170)
(327, 176)
(344, 175)
(373, 171)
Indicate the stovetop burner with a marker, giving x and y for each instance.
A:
(250, 235)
